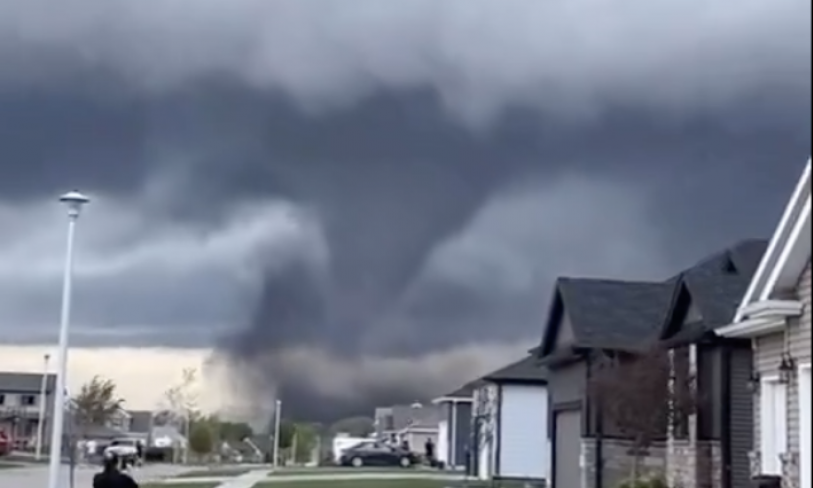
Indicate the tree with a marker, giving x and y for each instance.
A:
(306, 437)
(180, 405)
(638, 396)
(97, 402)
(202, 438)
(287, 428)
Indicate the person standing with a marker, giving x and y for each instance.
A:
(111, 477)
(429, 451)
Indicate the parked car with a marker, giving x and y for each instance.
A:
(377, 454)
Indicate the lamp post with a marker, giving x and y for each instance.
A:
(43, 396)
(74, 202)
(277, 413)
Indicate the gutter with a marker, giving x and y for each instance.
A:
(763, 318)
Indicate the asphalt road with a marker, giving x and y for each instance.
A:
(37, 476)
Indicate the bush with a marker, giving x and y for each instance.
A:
(645, 483)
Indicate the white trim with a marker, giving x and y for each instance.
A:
(767, 307)
(805, 406)
(448, 399)
(773, 423)
(752, 327)
(794, 255)
(783, 243)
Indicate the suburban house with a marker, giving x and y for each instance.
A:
(709, 446)
(455, 426)
(775, 315)
(511, 424)
(21, 402)
(412, 424)
(592, 319)
(588, 317)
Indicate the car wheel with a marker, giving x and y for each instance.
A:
(357, 462)
(405, 462)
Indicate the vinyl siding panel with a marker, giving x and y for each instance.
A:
(768, 356)
(741, 416)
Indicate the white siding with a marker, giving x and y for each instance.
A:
(769, 354)
(524, 447)
(442, 447)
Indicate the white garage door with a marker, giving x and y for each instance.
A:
(524, 445)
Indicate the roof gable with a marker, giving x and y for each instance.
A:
(708, 293)
(788, 251)
(610, 314)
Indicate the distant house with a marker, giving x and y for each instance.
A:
(413, 424)
(775, 315)
(511, 419)
(455, 426)
(20, 403)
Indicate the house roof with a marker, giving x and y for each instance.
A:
(526, 370)
(464, 393)
(610, 314)
(26, 382)
(406, 416)
(141, 421)
(789, 250)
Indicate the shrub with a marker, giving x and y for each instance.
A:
(645, 483)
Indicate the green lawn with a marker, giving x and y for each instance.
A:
(358, 483)
(326, 470)
(214, 473)
(180, 485)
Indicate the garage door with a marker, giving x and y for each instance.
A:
(567, 445)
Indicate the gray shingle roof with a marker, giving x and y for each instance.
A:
(465, 391)
(612, 313)
(526, 370)
(25, 382)
(715, 286)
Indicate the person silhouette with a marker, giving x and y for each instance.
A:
(111, 477)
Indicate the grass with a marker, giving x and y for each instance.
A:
(180, 485)
(326, 470)
(214, 473)
(358, 483)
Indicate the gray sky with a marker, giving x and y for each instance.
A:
(380, 179)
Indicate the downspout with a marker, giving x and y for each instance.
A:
(598, 479)
(453, 435)
(725, 415)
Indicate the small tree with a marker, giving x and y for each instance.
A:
(637, 395)
(96, 403)
(202, 438)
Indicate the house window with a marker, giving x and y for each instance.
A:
(2, 399)
(772, 424)
(28, 400)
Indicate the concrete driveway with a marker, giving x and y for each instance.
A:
(37, 476)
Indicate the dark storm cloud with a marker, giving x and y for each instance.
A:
(400, 127)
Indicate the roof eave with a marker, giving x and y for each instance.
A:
(789, 248)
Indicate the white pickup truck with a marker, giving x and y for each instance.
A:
(123, 448)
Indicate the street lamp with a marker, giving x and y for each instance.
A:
(43, 396)
(277, 413)
(74, 202)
